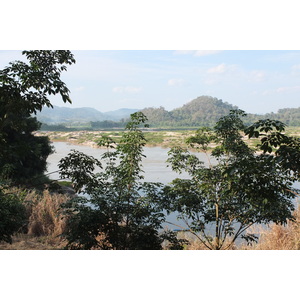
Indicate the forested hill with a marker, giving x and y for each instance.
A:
(206, 111)
(289, 116)
(202, 111)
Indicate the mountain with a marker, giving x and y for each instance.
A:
(202, 111)
(60, 115)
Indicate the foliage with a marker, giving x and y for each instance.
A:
(122, 211)
(242, 188)
(24, 89)
(23, 157)
(12, 215)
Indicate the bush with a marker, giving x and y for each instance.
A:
(12, 216)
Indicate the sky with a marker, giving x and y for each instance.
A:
(257, 81)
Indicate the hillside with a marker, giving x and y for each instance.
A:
(202, 111)
(206, 111)
(289, 116)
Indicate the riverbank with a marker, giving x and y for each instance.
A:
(164, 139)
(154, 138)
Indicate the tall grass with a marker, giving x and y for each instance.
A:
(43, 210)
(272, 237)
(44, 223)
(278, 237)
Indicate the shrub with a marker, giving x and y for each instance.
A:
(12, 215)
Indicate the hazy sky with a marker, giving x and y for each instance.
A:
(256, 81)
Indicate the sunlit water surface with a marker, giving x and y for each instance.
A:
(154, 166)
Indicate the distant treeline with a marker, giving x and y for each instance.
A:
(107, 124)
(99, 125)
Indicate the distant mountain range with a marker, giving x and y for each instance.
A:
(202, 111)
(66, 115)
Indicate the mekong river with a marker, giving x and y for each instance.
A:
(154, 165)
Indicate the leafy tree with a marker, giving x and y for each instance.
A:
(242, 187)
(24, 89)
(122, 211)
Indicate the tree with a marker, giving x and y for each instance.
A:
(122, 211)
(24, 89)
(242, 187)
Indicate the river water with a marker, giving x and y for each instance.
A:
(154, 165)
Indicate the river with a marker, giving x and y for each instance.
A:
(154, 165)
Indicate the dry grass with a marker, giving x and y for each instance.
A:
(23, 241)
(44, 214)
(45, 224)
(195, 243)
(273, 237)
(277, 237)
